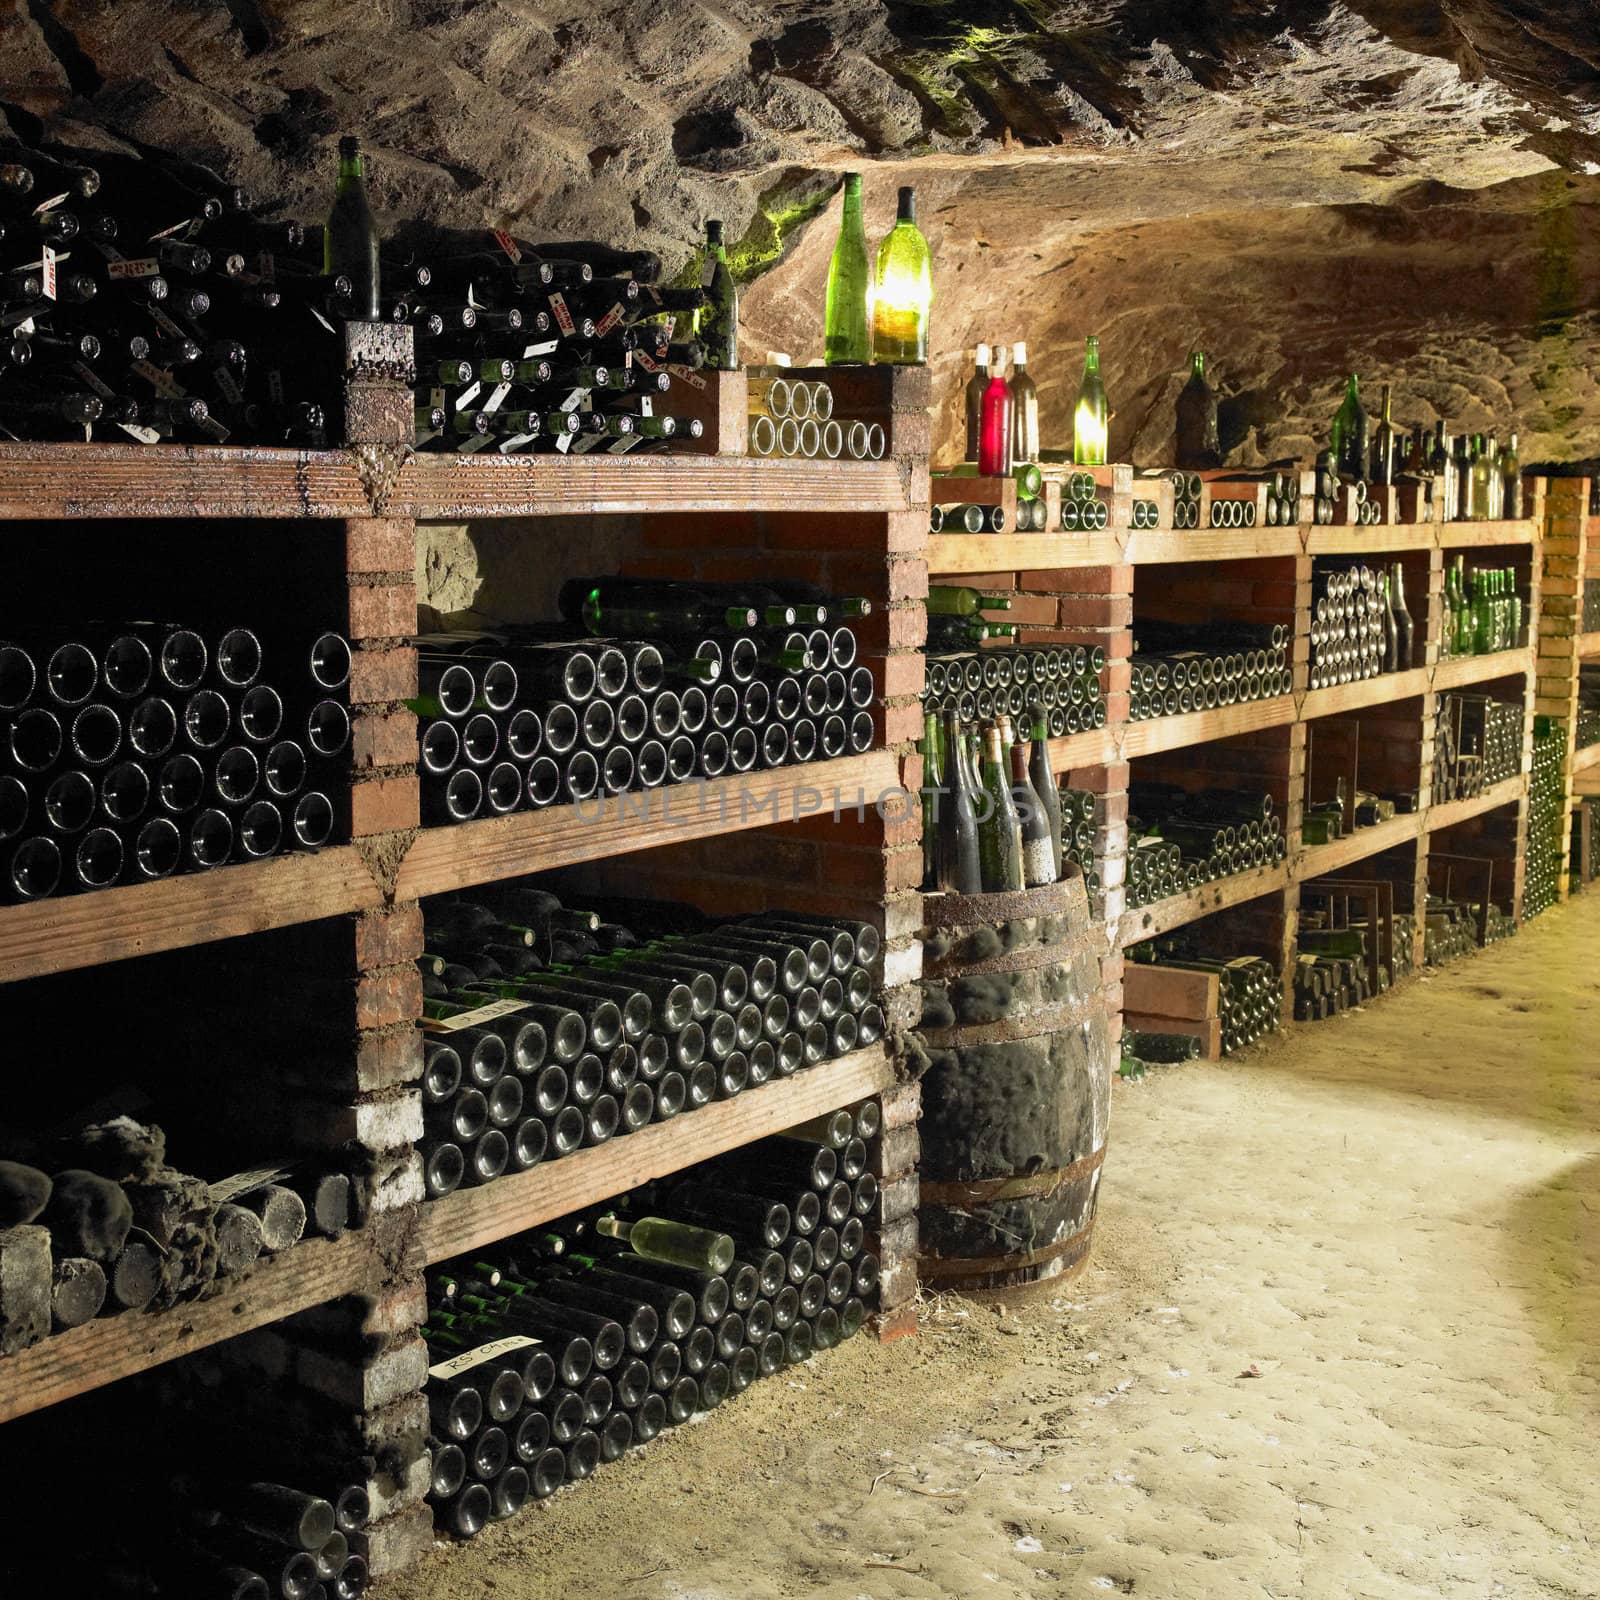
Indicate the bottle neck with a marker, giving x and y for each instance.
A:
(1197, 365)
(906, 216)
(1091, 356)
(352, 169)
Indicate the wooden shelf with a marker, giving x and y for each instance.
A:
(1459, 535)
(1092, 748)
(113, 480)
(1342, 697)
(950, 554)
(1155, 734)
(449, 858)
(84, 930)
(1318, 860)
(1586, 757)
(1162, 916)
(1507, 792)
(1383, 539)
(109, 1348)
(1150, 546)
(445, 487)
(1461, 670)
(472, 1218)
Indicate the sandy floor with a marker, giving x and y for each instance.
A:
(1340, 1338)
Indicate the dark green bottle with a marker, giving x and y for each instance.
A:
(350, 245)
(1198, 445)
(1044, 780)
(999, 827)
(719, 319)
(1351, 440)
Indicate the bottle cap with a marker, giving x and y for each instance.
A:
(999, 355)
(981, 355)
(349, 145)
(1019, 352)
(714, 231)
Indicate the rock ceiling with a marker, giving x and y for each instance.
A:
(1405, 185)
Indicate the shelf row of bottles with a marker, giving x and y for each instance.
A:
(1183, 667)
(1331, 972)
(136, 750)
(1483, 611)
(1477, 742)
(1249, 991)
(556, 1351)
(550, 1028)
(794, 417)
(1179, 840)
(1349, 809)
(1587, 729)
(1547, 816)
(1360, 624)
(1452, 929)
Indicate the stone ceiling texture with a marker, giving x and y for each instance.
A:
(1411, 187)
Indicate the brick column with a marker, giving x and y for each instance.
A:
(1556, 618)
(895, 1155)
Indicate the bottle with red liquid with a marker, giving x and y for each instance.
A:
(994, 431)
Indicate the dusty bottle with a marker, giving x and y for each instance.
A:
(1038, 844)
(1405, 628)
(350, 245)
(999, 827)
(719, 320)
(1044, 782)
(1197, 443)
(673, 1243)
(959, 868)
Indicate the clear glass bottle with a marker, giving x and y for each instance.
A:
(902, 290)
(1091, 416)
(1511, 482)
(1385, 443)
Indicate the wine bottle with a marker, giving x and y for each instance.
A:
(1198, 446)
(977, 385)
(960, 868)
(1038, 842)
(1385, 444)
(717, 325)
(902, 290)
(672, 1243)
(846, 340)
(1091, 416)
(1351, 444)
(999, 827)
(995, 424)
(1024, 408)
(350, 241)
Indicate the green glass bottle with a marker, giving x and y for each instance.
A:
(1482, 470)
(902, 291)
(718, 323)
(1510, 482)
(350, 243)
(958, 600)
(999, 826)
(846, 340)
(959, 868)
(1091, 417)
(931, 799)
(1350, 433)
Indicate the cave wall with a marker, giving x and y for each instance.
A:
(1298, 186)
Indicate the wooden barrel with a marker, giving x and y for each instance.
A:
(1017, 1095)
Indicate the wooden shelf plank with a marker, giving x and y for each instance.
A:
(1095, 747)
(112, 480)
(1585, 757)
(1155, 734)
(472, 1218)
(83, 930)
(1341, 697)
(954, 553)
(433, 487)
(533, 841)
(109, 1348)
(1589, 644)
(1162, 916)
(1507, 792)
(1316, 861)
(1379, 540)
(1148, 547)
(1459, 670)
(1460, 535)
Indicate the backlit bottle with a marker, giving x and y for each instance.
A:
(902, 290)
(1091, 417)
(350, 245)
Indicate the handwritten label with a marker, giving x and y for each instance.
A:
(688, 374)
(144, 435)
(158, 378)
(47, 276)
(609, 320)
(621, 446)
(468, 1359)
(668, 323)
(475, 1017)
(645, 361)
(587, 442)
(225, 381)
(226, 1189)
(165, 323)
(50, 204)
(564, 442)
(646, 409)
(138, 267)
(497, 397)
(92, 380)
(558, 309)
(187, 227)
(508, 244)
(573, 400)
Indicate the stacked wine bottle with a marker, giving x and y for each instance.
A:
(549, 1028)
(1077, 833)
(1331, 972)
(1477, 742)
(1547, 816)
(1588, 725)
(1194, 667)
(557, 1351)
(644, 684)
(136, 750)
(794, 417)
(1179, 840)
(1062, 679)
(1250, 996)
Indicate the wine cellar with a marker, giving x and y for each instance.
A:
(558, 864)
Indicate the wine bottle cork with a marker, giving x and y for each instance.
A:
(238, 1238)
(77, 1291)
(133, 1278)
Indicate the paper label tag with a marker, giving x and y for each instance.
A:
(573, 400)
(468, 395)
(645, 407)
(138, 267)
(275, 386)
(546, 348)
(708, 272)
(497, 397)
(688, 374)
(50, 204)
(144, 435)
(165, 323)
(92, 380)
(322, 319)
(473, 443)
(158, 378)
(225, 1189)
(226, 382)
(436, 399)
(187, 226)
(668, 323)
(586, 442)
(47, 273)
(564, 442)
(468, 1359)
(475, 1017)
(645, 361)
(558, 309)
(214, 430)
(621, 446)
(609, 320)
(516, 442)
(508, 244)
(472, 299)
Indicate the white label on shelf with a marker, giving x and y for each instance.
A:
(516, 442)
(473, 301)
(688, 374)
(547, 347)
(186, 226)
(468, 1359)
(468, 395)
(587, 442)
(91, 379)
(508, 244)
(645, 361)
(50, 204)
(473, 443)
(573, 400)
(646, 409)
(497, 397)
(159, 379)
(473, 1018)
(669, 323)
(621, 446)
(140, 267)
(142, 434)
(47, 276)
(609, 320)
(558, 309)
(165, 323)
(225, 1189)
(24, 329)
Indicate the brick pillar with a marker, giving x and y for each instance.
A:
(1556, 618)
(895, 1155)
